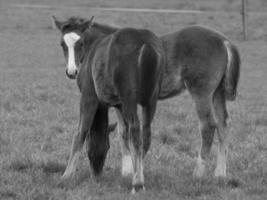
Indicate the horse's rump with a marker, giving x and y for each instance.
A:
(202, 59)
(137, 59)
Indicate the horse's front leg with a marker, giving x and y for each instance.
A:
(97, 141)
(87, 112)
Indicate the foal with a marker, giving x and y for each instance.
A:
(207, 64)
(122, 69)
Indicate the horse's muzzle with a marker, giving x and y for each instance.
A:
(72, 76)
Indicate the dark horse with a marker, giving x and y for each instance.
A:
(207, 64)
(121, 68)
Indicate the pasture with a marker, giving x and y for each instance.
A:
(39, 110)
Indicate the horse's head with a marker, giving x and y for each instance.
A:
(73, 42)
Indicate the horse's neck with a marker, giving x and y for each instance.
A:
(96, 33)
(103, 29)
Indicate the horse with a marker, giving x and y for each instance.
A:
(206, 64)
(120, 68)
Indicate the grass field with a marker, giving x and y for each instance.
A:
(39, 113)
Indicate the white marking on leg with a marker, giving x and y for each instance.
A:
(200, 168)
(220, 170)
(72, 165)
(138, 178)
(133, 192)
(142, 171)
(73, 161)
(200, 164)
(127, 165)
(70, 39)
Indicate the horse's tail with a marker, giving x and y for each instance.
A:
(149, 61)
(232, 72)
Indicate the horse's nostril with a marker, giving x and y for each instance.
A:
(76, 72)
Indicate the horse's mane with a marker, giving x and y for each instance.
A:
(104, 28)
(75, 22)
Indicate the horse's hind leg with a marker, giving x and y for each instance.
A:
(127, 164)
(129, 109)
(147, 117)
(87, 109)
(207, 124)
(221, 115)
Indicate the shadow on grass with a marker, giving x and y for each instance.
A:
(189, 187)
(24, 163)
(52, 167)
(110, 178)
(20, 164)
(184, 186)
(156, 179)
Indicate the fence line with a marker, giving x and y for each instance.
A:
(144, 10)
(245, 18)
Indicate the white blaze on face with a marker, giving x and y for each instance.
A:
(70, 39)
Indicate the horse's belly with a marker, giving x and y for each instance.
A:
(172, 83)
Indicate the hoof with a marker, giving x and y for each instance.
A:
(138, 187)
(133, 192)
(199, 171)
(97, 177)
(66, 176)
(63, 182)
(220, 173)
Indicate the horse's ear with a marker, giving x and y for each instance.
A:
(87, 24)
(56, 23)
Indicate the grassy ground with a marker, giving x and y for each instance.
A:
(39, 113)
